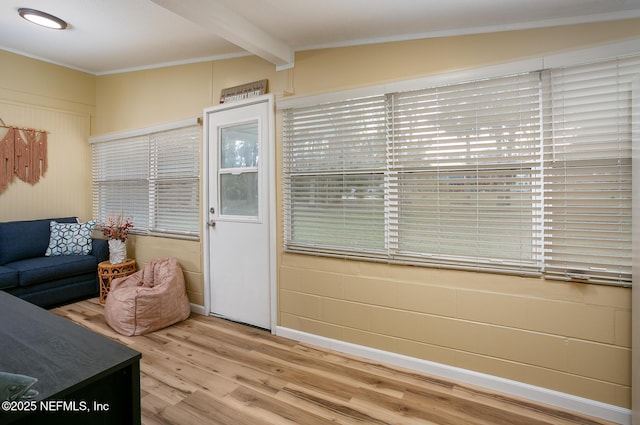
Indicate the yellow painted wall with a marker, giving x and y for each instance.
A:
(43, 96)
(326, 70)
(144, 98)
(568, 337)
(564, 336)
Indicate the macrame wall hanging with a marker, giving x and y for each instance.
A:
(23, 153)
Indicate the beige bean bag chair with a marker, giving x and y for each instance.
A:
(149, 299)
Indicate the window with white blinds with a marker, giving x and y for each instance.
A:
(151, 176)
(526, 174)
(465, 174)
(587, 167)
(335, 177)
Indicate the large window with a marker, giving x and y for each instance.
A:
(152, 176)
(527, 174)
(336, 166)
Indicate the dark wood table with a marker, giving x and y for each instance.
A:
(83, 377)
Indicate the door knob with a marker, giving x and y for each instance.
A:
(211, 223)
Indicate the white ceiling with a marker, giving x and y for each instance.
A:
(107, 36)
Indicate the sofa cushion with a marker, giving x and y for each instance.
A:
(100, 249)
(43, 269)
(57, 292)
(26, 239)
(8, 278)
(70, 238)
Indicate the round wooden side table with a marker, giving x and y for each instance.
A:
(107, 272)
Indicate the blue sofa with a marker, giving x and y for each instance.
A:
(46, 280)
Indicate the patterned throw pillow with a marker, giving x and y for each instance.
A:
(70, 238)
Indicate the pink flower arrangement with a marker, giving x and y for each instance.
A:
(117, 228)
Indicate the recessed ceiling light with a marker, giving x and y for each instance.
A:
(42, 18)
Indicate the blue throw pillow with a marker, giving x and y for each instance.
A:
(70, 238)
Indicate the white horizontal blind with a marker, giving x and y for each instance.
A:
(152, 177)
(526, 174)
(174, 181)
(588, 171)
(121, 181)
(334, 161)
(466, 174)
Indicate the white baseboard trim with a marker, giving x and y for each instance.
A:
(198, 309)
(519, 389)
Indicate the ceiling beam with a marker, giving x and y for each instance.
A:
(226, 23)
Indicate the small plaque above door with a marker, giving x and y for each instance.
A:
(244, 91)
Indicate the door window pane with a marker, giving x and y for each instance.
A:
(239, 146)
(239, 194)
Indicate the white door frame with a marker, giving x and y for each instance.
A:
(271, 208)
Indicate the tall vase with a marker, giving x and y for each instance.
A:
(117, 251)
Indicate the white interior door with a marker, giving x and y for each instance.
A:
(239, 211)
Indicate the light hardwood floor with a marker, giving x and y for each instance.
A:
(210, 371)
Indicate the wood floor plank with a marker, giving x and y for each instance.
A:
(153, 408)
(218, 411)
(336, 409)
(227, 371)
(273, 408)
(206, 370)
(160, 390)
